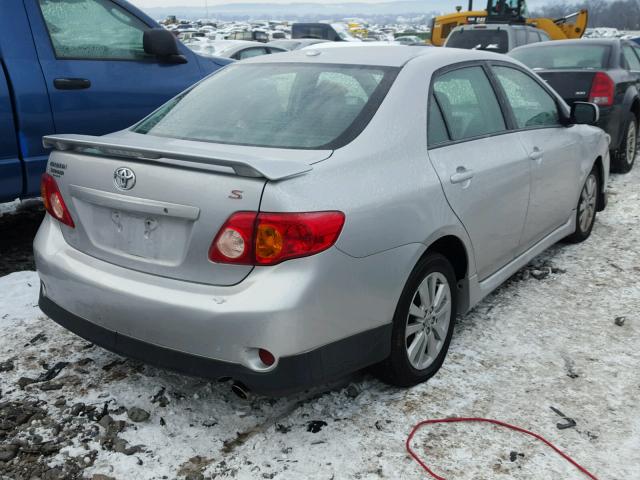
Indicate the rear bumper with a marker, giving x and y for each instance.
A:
(311, 313)
(294, 373)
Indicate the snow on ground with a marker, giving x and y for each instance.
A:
(545, 339)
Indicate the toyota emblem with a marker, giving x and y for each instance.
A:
(124, 178)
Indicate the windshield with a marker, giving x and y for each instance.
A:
(476, 39)
(275, 105)
(574, 57)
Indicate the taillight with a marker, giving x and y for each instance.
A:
(602, 90)
(250, 238)
(53, 201)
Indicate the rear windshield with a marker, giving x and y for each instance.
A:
(275, 105)
(476, 39)
(574, 57)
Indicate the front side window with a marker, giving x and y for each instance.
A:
(530, 103)
(93, 29)
(275, 105)
(468, 103)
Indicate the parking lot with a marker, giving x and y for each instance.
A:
(562, 333)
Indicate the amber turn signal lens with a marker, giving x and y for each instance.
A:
(269, 242)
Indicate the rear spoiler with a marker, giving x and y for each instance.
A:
(187, 155)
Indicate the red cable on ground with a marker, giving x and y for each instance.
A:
(494, 422)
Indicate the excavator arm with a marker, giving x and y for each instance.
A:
(565, 28)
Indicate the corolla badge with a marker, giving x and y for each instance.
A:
(124, 178)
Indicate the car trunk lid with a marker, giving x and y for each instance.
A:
(571, 85)
(163, 219)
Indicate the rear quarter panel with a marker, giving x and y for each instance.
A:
(382, 181)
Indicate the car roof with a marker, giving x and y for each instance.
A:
(493, 26)
(580, 41)
(392, 55)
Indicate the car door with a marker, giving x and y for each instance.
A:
(98, 77)
(553, 151)
(482, 166)
(10, 165)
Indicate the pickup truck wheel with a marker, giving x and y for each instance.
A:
(587, 207)
(422, 324)
(625, 156)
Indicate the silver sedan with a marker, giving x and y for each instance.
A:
(297, 217)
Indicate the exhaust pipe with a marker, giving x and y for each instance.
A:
(240, 390)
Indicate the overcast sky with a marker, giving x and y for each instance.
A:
(437, 4)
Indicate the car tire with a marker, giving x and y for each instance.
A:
(623, 159)
(587, 208)
(422, 324)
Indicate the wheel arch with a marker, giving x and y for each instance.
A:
(454, 249)
(635, 108)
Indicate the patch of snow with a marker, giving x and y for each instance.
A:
(532, 345)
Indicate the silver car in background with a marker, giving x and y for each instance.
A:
(294, 218)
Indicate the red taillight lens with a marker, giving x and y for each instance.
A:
(250, 238)
(282, 236)
(602, 90)
(53, 201)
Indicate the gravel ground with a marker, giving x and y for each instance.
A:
(562, 333)
(18, 224)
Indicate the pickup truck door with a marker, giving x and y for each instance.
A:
(98, 77)
(10, 167)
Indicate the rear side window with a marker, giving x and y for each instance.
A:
(532, 36)
(93, 29)
(287, 105)
(521, 36)
(468, 103)
(250, 52)
(631, 58)
(436, 128)
(531, 104)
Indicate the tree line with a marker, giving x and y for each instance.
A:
(620, 14)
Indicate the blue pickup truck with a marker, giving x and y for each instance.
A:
(80, 66)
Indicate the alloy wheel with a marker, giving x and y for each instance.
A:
(587, 207)
(428, 321)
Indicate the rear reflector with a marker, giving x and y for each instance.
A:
(266, 357)
(602, 90)
(53, 201)
(251, 238)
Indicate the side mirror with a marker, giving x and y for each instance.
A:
(163, 44)
(584, 113)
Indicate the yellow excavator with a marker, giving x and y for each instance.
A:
(509, 11)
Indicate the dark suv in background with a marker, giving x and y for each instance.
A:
(602, 71)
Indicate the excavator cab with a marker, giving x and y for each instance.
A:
(507, 11)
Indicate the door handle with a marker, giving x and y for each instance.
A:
(71, 83)
(462, 175)
(537, 154)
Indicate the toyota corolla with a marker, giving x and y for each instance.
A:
(297, 217)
